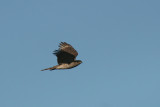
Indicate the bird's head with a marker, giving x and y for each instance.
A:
(78, 61)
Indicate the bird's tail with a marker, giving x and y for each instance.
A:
(51, 68)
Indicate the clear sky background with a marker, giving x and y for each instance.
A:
(117, 40)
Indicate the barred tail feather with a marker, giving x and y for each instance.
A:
(51, 68)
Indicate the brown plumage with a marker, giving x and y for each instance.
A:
(66, 57)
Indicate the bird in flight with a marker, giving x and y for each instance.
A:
(66, 57)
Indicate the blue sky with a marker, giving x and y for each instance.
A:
(117, 40)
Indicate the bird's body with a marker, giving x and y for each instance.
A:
(66, 56)
(68, 66)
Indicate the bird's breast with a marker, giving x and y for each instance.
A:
(67, 66)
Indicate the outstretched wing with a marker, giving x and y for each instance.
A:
(66, 53)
